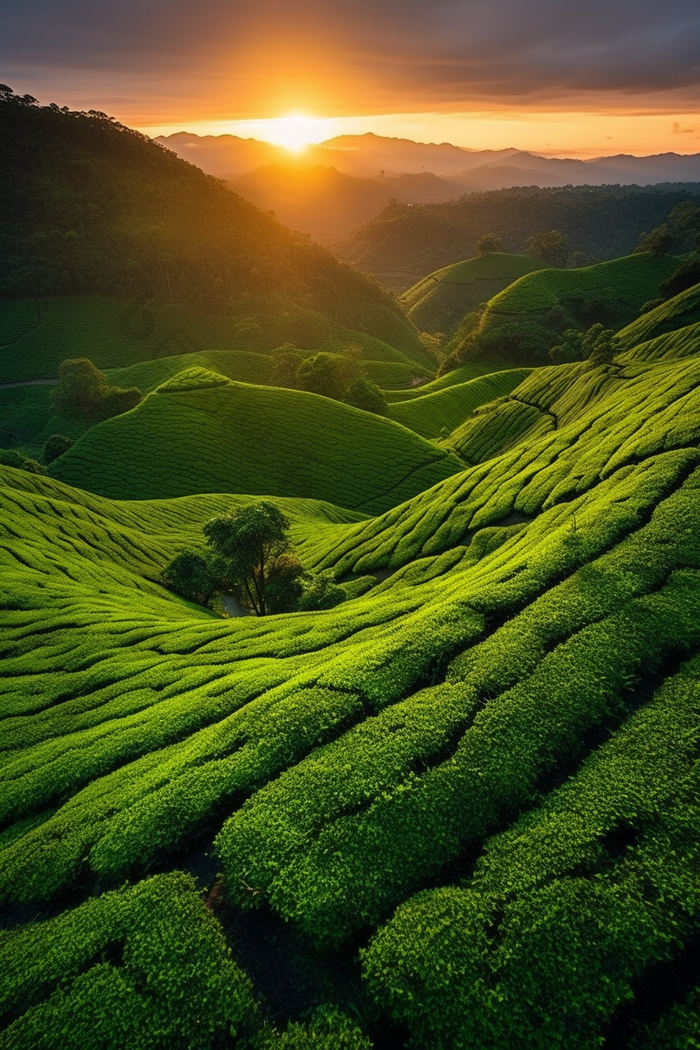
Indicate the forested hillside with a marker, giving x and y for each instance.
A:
(89, 205)
(404, 243)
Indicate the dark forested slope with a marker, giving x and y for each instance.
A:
(88, 205)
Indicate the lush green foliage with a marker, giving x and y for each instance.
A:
(146, 966)
(481, 764)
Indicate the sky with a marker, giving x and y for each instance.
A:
(562, 77)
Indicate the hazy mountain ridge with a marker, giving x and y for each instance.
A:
(368, 155)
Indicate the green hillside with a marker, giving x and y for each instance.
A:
(92, 207)
(117, 333)
(200, 432)
(467, 371)
(481, 774)
(439, 301)
(682, 311)
(446, 408)
(611, 291)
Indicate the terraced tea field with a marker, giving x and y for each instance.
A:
(623, 286)
(439, 301)
(474, 786)
(199, 432)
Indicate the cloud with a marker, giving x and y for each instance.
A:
(678, 130)
(401, 54)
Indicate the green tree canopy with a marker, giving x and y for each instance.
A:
(83, 393)
(365, 394)
(55, 446)
(323, 373)
(80, 391)
(245, 543)
(488, 243)
(550, 247)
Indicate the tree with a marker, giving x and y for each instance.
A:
(687, 275)
(245, 544)
(118, 400)
(55, 446)
(80, 390)
(9, 457)
(569, 349)
(284, 583)
(324, 374)
(83, 393)
(365, 394)
(488, 243)
(285, 365)
(190, 574)
(550, 247)
(658, 242)
(599, 345)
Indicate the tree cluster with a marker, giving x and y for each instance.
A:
(597, 346)
(339, 376)
(84, 394)
(248, 553)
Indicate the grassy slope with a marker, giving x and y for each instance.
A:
(679, 312)
(633, 280)
(201, 433)
(446, 408)
(439, 301)
(538, 605)
(116, 334)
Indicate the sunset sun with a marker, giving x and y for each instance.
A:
(295, 131)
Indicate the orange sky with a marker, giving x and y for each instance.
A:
(565, 77)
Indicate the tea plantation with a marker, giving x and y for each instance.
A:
(456, 811)
(614, 291)
(439, 302)
(200, 432)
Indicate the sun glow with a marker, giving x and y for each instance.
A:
(295, 131)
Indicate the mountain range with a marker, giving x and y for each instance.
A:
(373, 155)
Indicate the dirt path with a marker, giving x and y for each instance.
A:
(29, 382)
(232, 606)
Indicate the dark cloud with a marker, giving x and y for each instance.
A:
(405, 54)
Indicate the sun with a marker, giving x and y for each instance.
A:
(296, 131)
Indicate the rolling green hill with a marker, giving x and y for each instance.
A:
(446, 408)
(116, 334)
(439, 301)
(611, 291)
(200, 432)
(482, 773)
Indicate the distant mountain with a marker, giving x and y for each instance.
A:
(327, 203)
(334, 187)
(369, 155)
(361, 155)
